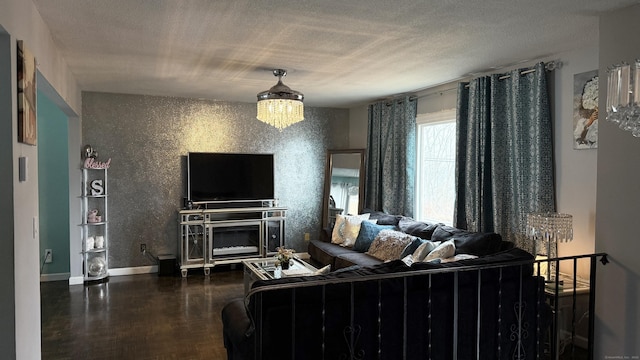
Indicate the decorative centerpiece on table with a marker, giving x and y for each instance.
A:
(283, 257)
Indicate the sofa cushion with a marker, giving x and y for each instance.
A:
(355, 258)
(324, 253)
(368, 233)
(417, 228)
(467, 242)
(389, 245)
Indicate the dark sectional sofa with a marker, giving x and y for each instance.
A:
(322, 252)
(491, 307)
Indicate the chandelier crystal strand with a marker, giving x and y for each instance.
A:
(635, 89)
(625, 82)
(612, 89)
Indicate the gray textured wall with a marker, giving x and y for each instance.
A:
(148, 138)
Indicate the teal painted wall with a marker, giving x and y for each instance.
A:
(53, 184)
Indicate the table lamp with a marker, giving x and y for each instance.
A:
(546, 229)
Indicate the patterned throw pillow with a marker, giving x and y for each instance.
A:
(424, 249)
(389, 245)
(338, 234)
(368, 233)
(445, 250)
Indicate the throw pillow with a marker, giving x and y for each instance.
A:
(417, 228)
(443, 251)
(368, 233)
(411, 247)
(424, 249)
(408, 260)
(323, 270)
(351, 230)
(337, 235)
(389, 244)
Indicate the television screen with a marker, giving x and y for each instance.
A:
(222, 176)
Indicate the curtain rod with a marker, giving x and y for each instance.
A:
(548, 66)
(440, 92)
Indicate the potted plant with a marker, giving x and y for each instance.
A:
(284, 256)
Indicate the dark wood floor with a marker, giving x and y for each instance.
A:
(138, 316)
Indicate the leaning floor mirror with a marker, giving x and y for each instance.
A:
(343, 185)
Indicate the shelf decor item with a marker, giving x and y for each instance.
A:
(284, 256)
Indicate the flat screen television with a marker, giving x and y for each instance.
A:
(228, 177)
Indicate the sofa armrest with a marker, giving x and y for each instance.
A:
(236, 326)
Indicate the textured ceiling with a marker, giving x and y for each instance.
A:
(338, 53)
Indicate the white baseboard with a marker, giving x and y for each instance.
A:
(79, 280)
(133, 270)
(76, 280)
(54, 277)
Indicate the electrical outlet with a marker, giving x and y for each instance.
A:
(48, 256)
(143, 247)
(307, 236)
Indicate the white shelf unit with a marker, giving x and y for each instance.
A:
(95, 232)
(229, 235)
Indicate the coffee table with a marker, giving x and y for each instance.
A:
(263, 269)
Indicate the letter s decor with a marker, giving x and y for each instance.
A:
(97, 187)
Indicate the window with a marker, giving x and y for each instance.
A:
(436, 141)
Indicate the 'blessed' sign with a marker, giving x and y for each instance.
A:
(91, 163)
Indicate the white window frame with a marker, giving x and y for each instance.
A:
(444, 116)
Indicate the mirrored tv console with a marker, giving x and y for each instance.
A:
(229, 232)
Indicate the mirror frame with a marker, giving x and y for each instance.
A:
(327, 182)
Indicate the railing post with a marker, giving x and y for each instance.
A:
(455, 315)
(592, 305)
(293, 323)
(479, 318)
(405, 312)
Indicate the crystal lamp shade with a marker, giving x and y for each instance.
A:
(280, 106)
(547, 229)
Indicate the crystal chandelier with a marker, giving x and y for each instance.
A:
(280, 106)
(623, 96)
